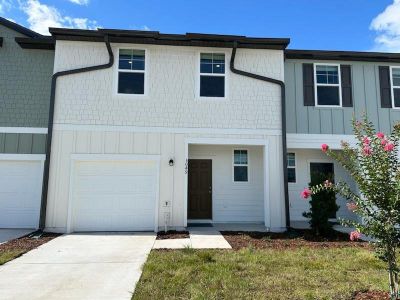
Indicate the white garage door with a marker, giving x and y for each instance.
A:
(20, 193)
(114, 196)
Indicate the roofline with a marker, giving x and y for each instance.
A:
(43, 43)
(155, 37)
(21, 29)
(342, 55)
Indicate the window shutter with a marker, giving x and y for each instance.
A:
(386, 93)
(347, 94)
(308, 85)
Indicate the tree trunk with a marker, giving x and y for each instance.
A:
(393, 274)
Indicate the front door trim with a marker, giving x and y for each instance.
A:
(236, 142)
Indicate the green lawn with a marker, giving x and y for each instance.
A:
(8, 255)
(303, 273)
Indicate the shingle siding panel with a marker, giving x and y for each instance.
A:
(172, 86)
(25, 78)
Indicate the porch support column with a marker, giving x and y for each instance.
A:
(267, 215)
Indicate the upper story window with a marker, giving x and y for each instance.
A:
(396, 87)
(212, 75)
(327, 85)
(291, 167)
(240, 166)
(131, 71)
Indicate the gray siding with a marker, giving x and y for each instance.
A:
(25, 78)
(22, 143)
(366, 99)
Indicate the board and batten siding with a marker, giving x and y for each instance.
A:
(22, 143)
(172, 179)
(234, 201)
(317, 120)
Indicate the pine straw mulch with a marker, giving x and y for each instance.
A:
(288, 240)
(172, 234)
(27, 243)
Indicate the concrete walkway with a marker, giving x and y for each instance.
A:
(78, 266)
(10, 234)
(200, 238)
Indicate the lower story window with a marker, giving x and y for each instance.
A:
(240, 166)
(291, 167)
(130, 83)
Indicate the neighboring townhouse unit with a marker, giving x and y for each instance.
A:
(324, 90)
(26, 66)
(164, 133)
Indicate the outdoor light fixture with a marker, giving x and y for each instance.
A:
(171, 162)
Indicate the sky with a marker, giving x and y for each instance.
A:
(358, 25)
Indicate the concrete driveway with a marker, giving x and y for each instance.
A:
(78, 266)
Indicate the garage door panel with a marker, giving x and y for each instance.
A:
(20, 191)
(114, 196)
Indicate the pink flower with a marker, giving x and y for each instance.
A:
(366, 141)
(358, 123)
(367, 151)
(380, 135)
(306, 193)
(355, 235)
(351, 206)
(324, 147)
(327, 184)
(389, 147)
(384, 142)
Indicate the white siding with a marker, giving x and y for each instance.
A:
(171, 101)
(172, 179)
(297, 204)
(91, 118)
(234, 201)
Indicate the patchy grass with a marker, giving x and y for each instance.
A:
(249, 273)
(8, 255)
(15, 248)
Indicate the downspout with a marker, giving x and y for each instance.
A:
(45, 185)
(283, 113)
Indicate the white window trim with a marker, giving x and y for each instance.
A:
(145, 71)
(240, 165)
(203, 98)
(291, 167)
(392, 87)
(339, 85)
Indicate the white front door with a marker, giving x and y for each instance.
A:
(114, 195)
(20, 193)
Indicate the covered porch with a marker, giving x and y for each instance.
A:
(228, 185)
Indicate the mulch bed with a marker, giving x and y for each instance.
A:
(288, 240)
(27, 243)
(172, 234)
(371, 295)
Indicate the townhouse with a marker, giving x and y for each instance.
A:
(165, 133)
(148, 131)
(25, 75)
(325, 90)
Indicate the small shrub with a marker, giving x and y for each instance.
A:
(322, 206)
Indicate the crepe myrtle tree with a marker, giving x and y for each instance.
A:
(374, 165)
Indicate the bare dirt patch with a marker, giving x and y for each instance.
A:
(172, 234)
(288, 240)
